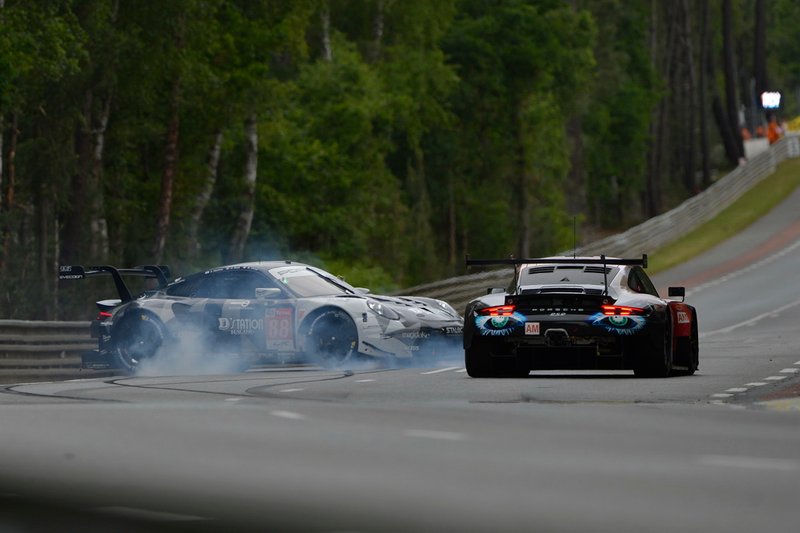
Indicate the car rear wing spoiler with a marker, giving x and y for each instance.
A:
(159, 272)
(602, 260)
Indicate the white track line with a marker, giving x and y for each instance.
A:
(289, 415)
(745, 270)
(436, 435)
(751, 321)
(448, 369)
(760, 463)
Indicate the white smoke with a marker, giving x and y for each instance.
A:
(189, 354)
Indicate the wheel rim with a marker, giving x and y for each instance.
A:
(139, 342)
(332, 337)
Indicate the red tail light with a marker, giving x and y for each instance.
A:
(622, 310)
(497, 310)
(102, 315)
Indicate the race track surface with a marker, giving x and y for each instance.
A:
(428, 448)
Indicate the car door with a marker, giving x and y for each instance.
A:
(248, 312)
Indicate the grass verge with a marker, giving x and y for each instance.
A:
(754, 204)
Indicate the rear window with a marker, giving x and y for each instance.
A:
(566, 275)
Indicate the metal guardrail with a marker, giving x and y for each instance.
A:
(643, 238)
(38, 345)
(42, 348)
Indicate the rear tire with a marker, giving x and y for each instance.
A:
(477, 361)
(694, 349)
(137, 338)
(657, 361)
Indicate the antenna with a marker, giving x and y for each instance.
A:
(574, 236)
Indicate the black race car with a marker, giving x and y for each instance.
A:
(579, 313)
(281, 311)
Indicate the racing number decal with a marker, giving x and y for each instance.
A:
(279, 328)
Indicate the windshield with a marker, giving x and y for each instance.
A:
(305, 282)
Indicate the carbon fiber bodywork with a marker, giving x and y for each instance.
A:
(579, 313)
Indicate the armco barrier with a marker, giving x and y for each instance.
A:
(37, 345)
(644, 238)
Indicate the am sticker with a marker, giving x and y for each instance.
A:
(531, 328)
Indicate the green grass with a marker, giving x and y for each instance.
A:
(754, 204)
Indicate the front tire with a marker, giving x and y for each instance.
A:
(331, 338)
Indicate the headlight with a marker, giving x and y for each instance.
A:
(382, 310)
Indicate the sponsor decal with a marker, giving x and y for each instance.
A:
(683, 317)
(415, 335)
(240, 326)
(453, 330)
(619, 325)
(531, 328)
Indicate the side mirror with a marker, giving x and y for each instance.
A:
(677, 292)
(264, 293)
(362, 290)
(495, 290)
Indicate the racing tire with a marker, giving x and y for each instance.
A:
(137, 338)
(694, 350)
(657, 361)
(332, 338)
(477, 362)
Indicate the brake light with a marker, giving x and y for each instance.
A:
(102, 315)
(621, 310)
(497, 310)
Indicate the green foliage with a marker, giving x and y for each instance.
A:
(432, 129)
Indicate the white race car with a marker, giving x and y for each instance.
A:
(279, 310)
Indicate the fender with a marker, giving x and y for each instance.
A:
(682, 315)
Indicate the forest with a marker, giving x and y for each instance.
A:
(379, 139)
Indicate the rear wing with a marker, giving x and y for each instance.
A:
(602, 260)
(159, 272)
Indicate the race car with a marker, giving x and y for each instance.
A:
(281, 310)
(579, 313)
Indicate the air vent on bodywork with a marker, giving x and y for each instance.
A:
(597, 270)
(541, 270)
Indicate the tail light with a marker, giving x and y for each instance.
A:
(622, 310)
(102, 315)
(497, 310)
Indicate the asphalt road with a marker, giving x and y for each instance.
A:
(424, 449)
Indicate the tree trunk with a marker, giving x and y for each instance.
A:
(243, 225)
(729, 68)
(98, 224)
(451, 219)
(377, 32)
(201, 202)
(705, 46)
(689, 179)
(168, 176)
(9, 196)
(760, 49)
(325, 20)
(74, 224)
(523, 194)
